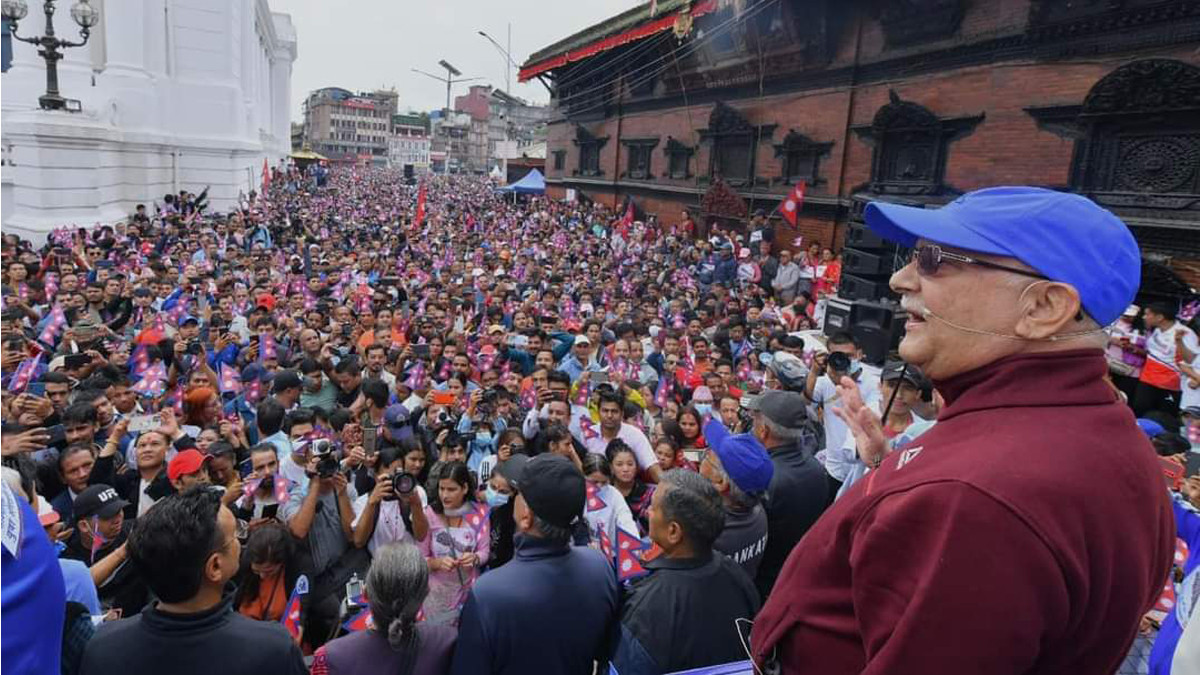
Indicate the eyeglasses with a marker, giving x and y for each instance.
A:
(931, 256)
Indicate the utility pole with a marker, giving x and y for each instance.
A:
(449, 79)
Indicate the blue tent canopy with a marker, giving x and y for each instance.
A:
(533, 183)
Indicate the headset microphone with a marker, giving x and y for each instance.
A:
(929, 314)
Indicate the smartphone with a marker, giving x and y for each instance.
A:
(245, 468)
(58, 434)
(421, 351)
(369, 434)
(270, 511)
(443, 398)
(140, 423)
(598, 376)
(36, 389)
(747, 401)
(75, 361)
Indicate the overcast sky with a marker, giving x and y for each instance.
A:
(364, 44)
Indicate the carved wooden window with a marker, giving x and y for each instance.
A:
(679, 158)
(638, 154)
(734, 143)
(560, 159)
(589, 152)
(800, 157)
(911, 147)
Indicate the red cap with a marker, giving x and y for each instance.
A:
(266, 300)
(188, 461)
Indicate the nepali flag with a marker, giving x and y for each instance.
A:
(291, 611)
(606, 544)
(24, 374)
(743, 371)
(54, 327)
(444, 371)
(416, 376)
(629, 565)
(153, 382)
(51, 286)
(177, 311)
(790, 207)
(267, 347)
(666, 389)
(358, 622)
(622, 368)
(529, 398)
(421, 205)
(229, 381)
(139, 360)
(480, 523)
(588, 428)
(98, 540)
(594, 501)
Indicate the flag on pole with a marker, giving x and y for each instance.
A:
(358, 622)
(230, 382)
(54, 327)
(794, 202)
(266, 176)
(291, 611)
(421, 205)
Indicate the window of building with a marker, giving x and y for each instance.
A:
(638, 151)
(560, 159)
(679, 157)
(589, 152)
(800, 157)
(734, 143)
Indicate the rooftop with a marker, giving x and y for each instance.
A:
(611, 26)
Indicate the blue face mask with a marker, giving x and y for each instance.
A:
(704, 408)
(483, 437)
(495, 499)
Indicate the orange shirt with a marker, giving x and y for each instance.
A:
(268, 605)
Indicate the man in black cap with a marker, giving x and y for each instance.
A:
(799, 490)
(286, 387)
(99, 542)
(552, 609)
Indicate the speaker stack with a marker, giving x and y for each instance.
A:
(866, 306)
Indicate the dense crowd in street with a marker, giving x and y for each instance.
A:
(362, 425)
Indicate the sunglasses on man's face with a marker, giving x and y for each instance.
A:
(929, 259)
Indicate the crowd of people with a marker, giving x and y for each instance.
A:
(358, 425)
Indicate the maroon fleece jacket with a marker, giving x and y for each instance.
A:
(1026, 532)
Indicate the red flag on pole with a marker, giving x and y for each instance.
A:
(266, 176)
(291, 611)
(421, 205)
(791, 206)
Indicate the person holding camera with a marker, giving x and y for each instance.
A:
(843, 360)
(393, 511)
(320, 514)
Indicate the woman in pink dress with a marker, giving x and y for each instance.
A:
(457, 544)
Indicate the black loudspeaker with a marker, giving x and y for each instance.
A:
(837, 316)
(864, 264)
(408, 175)
(865, 287)
(862, 237)
(878, 328)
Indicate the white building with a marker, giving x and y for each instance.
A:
(175, 94)
(409, 143)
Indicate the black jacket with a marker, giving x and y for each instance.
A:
(218, 640)
(125, 588)
(682, 615)
(796, 497)
(128, 482)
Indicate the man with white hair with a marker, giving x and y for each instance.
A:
(1029, 530)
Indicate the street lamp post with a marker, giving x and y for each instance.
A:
(451, 74)
(50, 46)
(509, 65)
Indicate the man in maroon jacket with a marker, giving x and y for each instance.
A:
(1029, 529)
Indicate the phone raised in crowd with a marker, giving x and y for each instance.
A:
(74, 361)
(421, 351)
(58, 434)
(443, 398)
(140, 423)
(1192, 466)
(36, 389)
(369, 434)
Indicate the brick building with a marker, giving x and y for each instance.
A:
(906, 100)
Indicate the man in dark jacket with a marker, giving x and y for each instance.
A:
(99, 541)
(799, 490)
(552, 609)
(685, 613)
(186, 547)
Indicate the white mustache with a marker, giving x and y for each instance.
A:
(914, 308)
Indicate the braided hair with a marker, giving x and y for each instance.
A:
(396, 585)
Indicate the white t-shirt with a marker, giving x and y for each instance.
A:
(1161, 346)
(389, 523)
(825, 394)
(615, 514)
(1190, 389)
(632, 436)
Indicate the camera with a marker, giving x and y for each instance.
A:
(839, 362)
(194, 347)
(403, 484)
(347, 330)
(327, 464)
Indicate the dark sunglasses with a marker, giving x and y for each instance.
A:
(931, 256)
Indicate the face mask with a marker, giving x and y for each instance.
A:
(483, 437)
(704, 408)
(495, 499)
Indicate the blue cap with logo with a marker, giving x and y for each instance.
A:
(742, 456)
(1066, 237)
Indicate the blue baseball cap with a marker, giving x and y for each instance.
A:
(1150, 427)
(1065, 237)
(742, 456)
